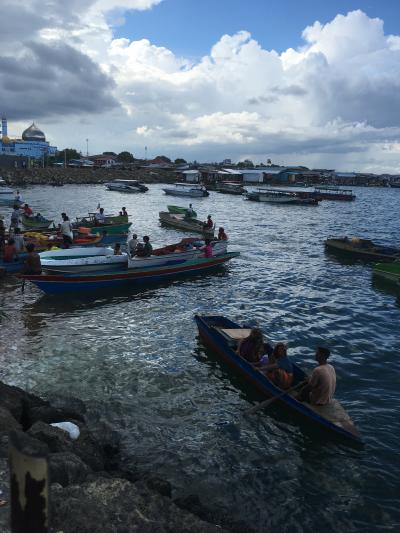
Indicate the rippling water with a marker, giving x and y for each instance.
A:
(136, 356)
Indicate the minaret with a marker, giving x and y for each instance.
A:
(3, 127)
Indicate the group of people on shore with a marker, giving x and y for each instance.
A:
(274, 362)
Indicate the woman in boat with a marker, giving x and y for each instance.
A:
(222, 236)
(252, 347)
(280, 369)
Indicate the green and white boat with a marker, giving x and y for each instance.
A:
(389, 271)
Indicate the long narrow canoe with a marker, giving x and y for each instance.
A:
(34, 224)
(185, 224)
(221, 334)
(362, 249)
(389, 271)
(139, 277)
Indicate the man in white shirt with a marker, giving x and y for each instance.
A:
(100, 216)
(66, 231)
(132, 243)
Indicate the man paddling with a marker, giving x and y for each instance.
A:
(321, 385)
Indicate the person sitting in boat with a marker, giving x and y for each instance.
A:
(117, 249)
(139, 249)
(321, 385)
(32, 263)
(132, 245)
(39, 217)
(147, 248)
(28, 211)
(100, 217)
(124, 212)
(10, 251)
(208, 224)
(252, 347)
(279, 369)
(207, 249)
(18, 197)
(222, 236)
(190, 212)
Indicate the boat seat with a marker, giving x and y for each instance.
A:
(235, 334)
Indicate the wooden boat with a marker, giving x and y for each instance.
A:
(111, 229)
(61, 284)
(334, 193)
(185, 224)
(34, 223)
(184, 250)
(86, 259)
(362, 249)
(131, 186)
(221, 336)
(282, 197)
(389, 271)
(110, 220)
(230, 187)
(178, 210)
(187, 189)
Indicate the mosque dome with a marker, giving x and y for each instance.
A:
(33, 133)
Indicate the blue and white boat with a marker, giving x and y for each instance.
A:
(86, 259)
(187, 189)
(221, 335)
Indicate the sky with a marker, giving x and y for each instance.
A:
(295, 81)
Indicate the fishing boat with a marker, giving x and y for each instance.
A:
(111, 229)
(282, 197)
(86, 259)
(389, 271)
(334, 193)
(90, 220)
(138, 277)
(35, 223)
(185, 224)
(178, 210)
(362, 249)
(230, 187)
(187, 189)
(189, 248)
(130, 186)
(221, 335)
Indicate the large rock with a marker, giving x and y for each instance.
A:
(116, 506)
(7, 421)
(56, 439)
(66, 468)
(18, 402)
(5, 495)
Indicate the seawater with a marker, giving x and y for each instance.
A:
(135, 356)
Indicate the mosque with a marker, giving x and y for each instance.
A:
(32, 145)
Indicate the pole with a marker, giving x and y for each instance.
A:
(87, 147)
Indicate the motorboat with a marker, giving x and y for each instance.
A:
(88, 259)
(130, 186)
(187, 189)
(282, 197)
(230, 187)
(334, 193)
(365, 249)
(6, 193)
(189, 248)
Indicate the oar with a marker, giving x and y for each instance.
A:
(267, 403)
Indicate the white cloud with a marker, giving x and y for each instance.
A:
(337, 96)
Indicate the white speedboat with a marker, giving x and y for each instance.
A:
(187, 189)
(87, 259)
(131, 186)
(184, 250)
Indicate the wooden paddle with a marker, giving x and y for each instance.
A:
(267, 403)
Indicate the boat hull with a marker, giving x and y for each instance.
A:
(31, 223)
(192, 225)
(373, 253)
(192, 193)
(133, 278)
(388, 271)
(281, 200)
(214, 339)
(111, 229)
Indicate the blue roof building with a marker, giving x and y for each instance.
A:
(33, 143)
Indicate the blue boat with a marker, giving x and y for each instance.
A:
(57, 284)
(221, 335)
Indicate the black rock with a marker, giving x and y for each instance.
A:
(18, 402)
(56, 439)
(66, 468)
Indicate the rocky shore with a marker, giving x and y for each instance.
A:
(93, 487)
(54, 175)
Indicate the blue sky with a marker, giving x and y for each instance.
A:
(191, 27)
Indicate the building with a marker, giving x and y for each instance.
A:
(32, 145)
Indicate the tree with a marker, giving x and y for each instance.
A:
(164, 158)
(64, 155)
(179, 161)
(125, 157)
(110, 153)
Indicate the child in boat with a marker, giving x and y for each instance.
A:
(222, 236)
(117, 249)
(280, 369)
(252, 347)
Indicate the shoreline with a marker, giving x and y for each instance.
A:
(90, 479)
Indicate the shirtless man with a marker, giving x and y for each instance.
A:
(322, 382)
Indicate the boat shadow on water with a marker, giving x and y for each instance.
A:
(287, 423)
